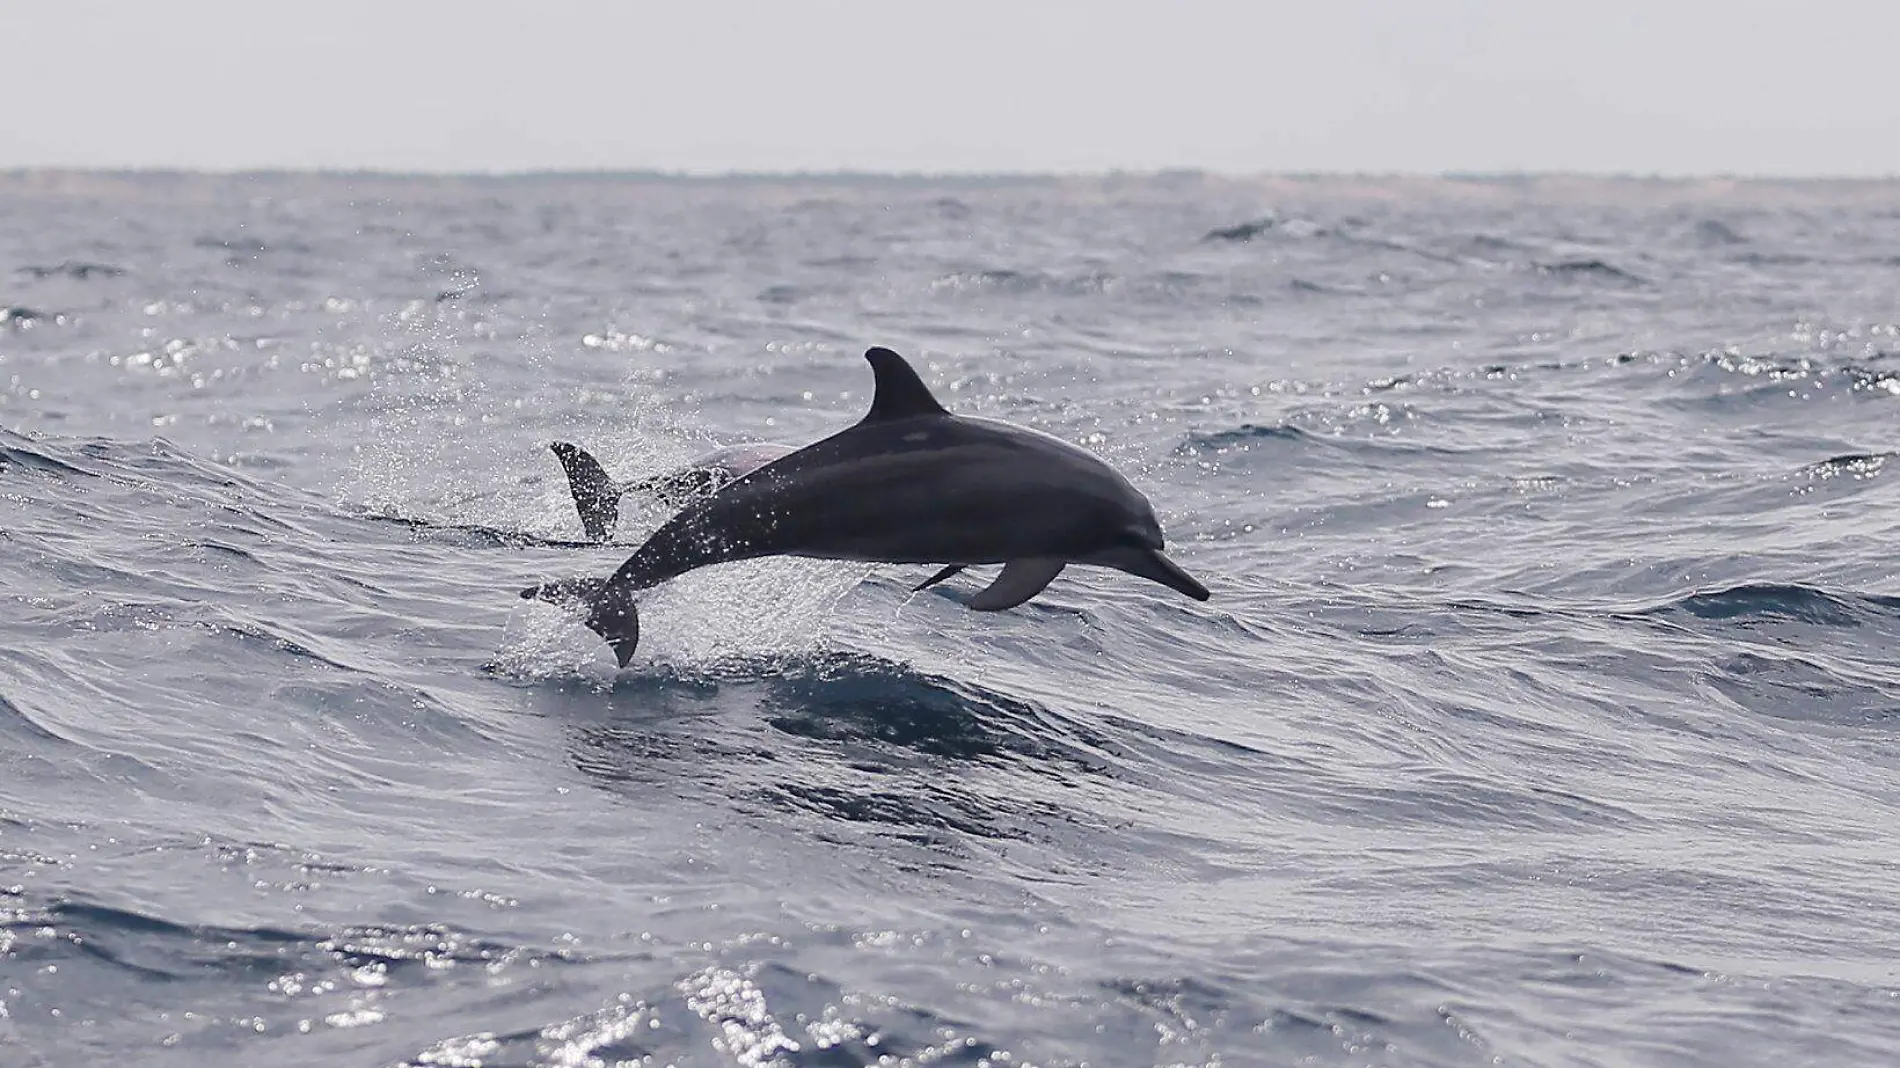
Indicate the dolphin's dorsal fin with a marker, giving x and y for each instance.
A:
(900, 393)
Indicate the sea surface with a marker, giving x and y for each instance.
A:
(1546, 710)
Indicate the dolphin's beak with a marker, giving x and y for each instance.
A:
(1152, 565)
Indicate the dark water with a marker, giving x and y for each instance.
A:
(1546, 712)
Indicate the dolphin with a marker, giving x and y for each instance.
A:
(910, 483)
(597, 496)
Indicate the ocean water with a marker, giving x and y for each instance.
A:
(1546, 711)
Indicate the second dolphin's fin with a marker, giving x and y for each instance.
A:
(938, 577)
(596, 497)
(1020, 580)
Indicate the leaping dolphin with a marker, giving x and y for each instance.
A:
(908, 484)
(597, 496)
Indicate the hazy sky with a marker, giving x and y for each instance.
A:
(1690, 86)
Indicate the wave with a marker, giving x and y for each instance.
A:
(11, 713)
(859, 700)
(1240, 437)
(1796, 652)
(252, 246)
(1492, 243)
(81, 270)
(1857, 465)
(1301, 285)
(152, 463)
(1808, 687)
(1766, 601)
(150, 946)
(1591, 268)
(20, 317)
(1245, 231)
(1714, 233)
(1358, 429)
(1147, 286)
(1883, 381)
(472, 535)
(844, 739)
(18, 452)
(856, 699)
(1350, 231)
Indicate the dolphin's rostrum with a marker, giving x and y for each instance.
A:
(909, 484)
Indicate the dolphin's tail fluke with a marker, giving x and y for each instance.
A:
(609, 607)
(596, 497)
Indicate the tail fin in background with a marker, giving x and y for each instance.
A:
(596, 497)
(610, 610)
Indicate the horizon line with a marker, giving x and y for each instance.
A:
(654, 174)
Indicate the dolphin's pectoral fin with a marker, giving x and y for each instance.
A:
(596, 497)
(1020, 580)
(899, 394)
(938, 577)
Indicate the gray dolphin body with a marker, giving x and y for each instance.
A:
(597, 495)
(909, 484)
